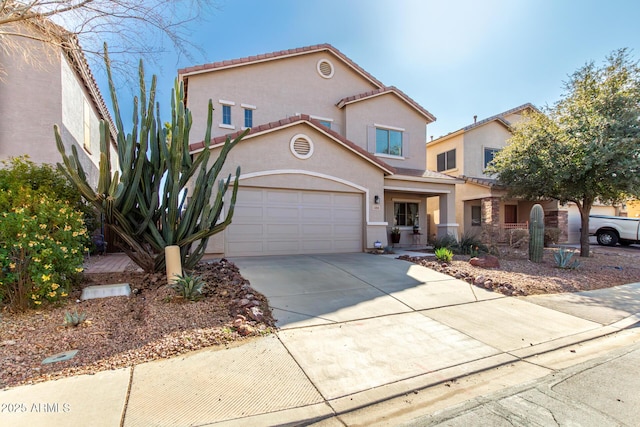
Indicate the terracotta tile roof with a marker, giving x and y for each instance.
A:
(276, 55)
(268, 127)
(498, 117)
(422, 173)
(382, 91)
(487, 182)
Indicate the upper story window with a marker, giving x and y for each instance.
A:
(248, 118)
(248, 114)
(489, 154)
(388, 141)
(446, 160)
(226, 114)
(325, 123)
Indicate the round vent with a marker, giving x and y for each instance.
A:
(325, 68)
(301, 146)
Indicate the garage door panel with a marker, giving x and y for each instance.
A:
(318, 215)
(276, 230)
(319, 199)
(269, 221)
(309, 230)
(282, 197)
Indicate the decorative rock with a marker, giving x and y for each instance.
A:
(7, 342)
(487, 261)
(256, 314)
(245, 330)
(244, 302)
(479, 281)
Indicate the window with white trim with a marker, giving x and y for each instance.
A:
(405, 213)
(489, 154)
(86, 122)
(226, 114)
(446, 160)
(248, 117)
(389, 141)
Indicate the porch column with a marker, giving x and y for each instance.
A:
(448, 225)
(491, 211)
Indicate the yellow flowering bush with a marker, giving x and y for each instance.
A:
(42, 243)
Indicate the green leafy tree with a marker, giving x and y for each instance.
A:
(144, 202)
(584, 148)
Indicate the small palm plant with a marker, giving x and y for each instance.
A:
(444, 254)
(188, 287)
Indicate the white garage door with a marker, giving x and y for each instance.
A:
(279, 222)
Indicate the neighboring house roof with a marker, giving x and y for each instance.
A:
(385, 90)
(221, 65)
(291, 121)
(499, 118)
(424, 173)
(485, 182)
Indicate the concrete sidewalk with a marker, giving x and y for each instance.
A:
(360, 336)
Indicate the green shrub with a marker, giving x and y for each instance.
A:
(42, 242)
(188, 287)
(470, 243)
(449, 241)
(551, 235)
(444, 254)
(563, 259)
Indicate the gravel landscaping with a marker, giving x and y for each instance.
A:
(154, 323)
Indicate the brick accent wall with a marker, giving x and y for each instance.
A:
(558, 219)
(491, 210)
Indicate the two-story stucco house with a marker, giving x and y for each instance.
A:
(480, 200)
(334, 158)
(56, 88)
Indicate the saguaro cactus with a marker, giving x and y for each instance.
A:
(536, 233)
(144, 202)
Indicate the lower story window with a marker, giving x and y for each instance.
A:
(476, 216)
(405, 214)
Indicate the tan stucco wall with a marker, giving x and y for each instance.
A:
(455, 142)
(330, 168)
(278, 89)
(30, 105)
(388, 110)
(35, 97)
(491, 135)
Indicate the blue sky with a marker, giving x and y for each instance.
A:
(457, 58)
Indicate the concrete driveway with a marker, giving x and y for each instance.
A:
(305, 290)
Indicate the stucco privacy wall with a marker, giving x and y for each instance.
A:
(274, 93)
(267, 161)
(388, 110)
(30, 105)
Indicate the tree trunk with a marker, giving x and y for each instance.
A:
(585, 210)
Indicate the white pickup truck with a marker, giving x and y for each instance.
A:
(610, 230)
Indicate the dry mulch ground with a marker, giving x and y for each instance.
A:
(152, 323)
(606, 267)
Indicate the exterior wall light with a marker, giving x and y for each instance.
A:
(376, 199)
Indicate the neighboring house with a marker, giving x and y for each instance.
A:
(58, 89)
(480, 200)
(333, 160)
